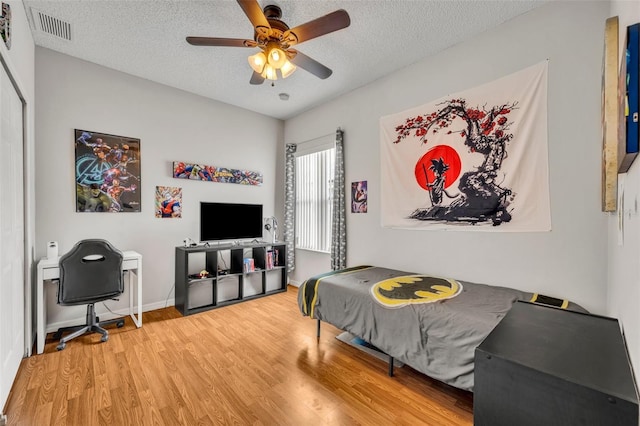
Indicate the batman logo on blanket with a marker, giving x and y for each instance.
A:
(397, 292)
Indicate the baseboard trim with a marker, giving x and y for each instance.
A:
(295, 283)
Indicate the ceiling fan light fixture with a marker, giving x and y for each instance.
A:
(287, 69)
(276, 57)
(274, 38)
(258, 62)
(269, 72)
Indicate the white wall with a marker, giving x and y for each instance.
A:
(570, 261)
(172, 125)
(624, 259)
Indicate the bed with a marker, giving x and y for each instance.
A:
(432, 324)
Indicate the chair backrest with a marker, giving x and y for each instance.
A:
(90, 272)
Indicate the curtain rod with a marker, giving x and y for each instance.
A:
(316, 138)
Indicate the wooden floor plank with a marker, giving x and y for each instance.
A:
(257, 362)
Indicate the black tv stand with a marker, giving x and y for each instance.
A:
(189, 263)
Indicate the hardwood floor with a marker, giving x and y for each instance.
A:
(256, 362)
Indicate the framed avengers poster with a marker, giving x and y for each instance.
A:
(107, 172)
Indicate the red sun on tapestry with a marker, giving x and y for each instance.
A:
(431, 163)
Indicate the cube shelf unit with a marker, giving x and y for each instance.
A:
(236, 253)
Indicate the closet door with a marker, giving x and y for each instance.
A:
(11, 234)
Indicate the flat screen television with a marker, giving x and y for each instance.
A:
(228, 221)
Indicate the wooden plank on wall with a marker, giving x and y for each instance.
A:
(610, 116)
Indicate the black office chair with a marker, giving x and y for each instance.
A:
(89, 273)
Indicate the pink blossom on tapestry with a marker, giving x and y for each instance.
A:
(475, 160)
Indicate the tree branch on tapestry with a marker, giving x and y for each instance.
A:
(486, 132)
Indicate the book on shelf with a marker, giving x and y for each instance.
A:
(269, 262)
(248, 265)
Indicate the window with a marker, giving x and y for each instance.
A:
(314, 200)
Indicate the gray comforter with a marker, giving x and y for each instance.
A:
(437, 339)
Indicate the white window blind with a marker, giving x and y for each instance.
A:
(314, 200)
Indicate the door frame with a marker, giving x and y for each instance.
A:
(28, 200)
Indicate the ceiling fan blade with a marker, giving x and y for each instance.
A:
(215, 41)
(256, 78)
(254, 12)
(301, 60)
(324, 25)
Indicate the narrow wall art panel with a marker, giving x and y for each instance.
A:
(107, 172)
(182, 170)
(359, 197)
(610, 116)
(630, 88)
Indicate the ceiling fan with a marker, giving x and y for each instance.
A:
(275, 40)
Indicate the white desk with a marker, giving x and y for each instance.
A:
(49, 269)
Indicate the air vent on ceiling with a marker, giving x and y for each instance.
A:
(51, 25)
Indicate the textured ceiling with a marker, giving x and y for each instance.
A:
(147, 39)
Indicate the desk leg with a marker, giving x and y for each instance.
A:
(41, 313)
(137, 319)
(139, 286)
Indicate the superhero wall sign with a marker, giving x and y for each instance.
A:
(107, 172)
(475, 160)
(182, 170)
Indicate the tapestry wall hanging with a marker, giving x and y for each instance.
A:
(168, 201)
(183, 170)
(107, 172)
(475, 160)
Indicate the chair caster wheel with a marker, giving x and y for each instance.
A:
(120, 324)
(61, 346)
(104, 338)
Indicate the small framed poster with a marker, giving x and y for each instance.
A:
(359, 197)
(168, 202)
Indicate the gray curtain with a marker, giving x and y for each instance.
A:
(339, 221)
(290, 205)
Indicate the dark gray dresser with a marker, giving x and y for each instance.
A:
(547, 366)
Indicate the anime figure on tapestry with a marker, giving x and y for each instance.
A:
(107, 173)
(481, 196)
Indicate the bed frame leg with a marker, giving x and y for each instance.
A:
(318, 331)
(390, 366)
